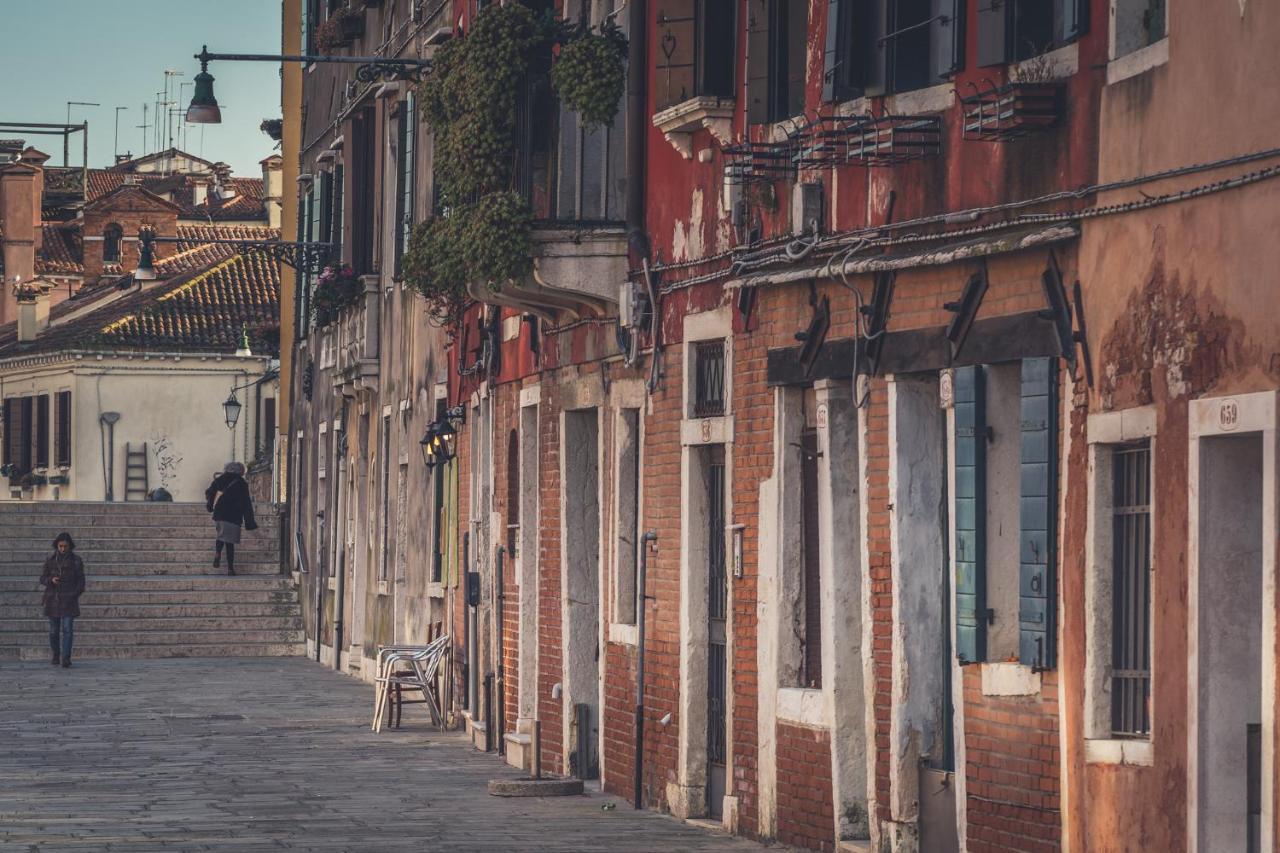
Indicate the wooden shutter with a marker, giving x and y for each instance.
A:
(831, 58)
(873, 61)
(10, 431)
(994, 27)
(25, 432)
(948, 45)
(677, 42)
(970, 514)
(1037, 547)
(62, 430)
(758, 19)
(42, 431)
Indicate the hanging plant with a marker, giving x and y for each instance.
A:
(336, 289)
(590, 74)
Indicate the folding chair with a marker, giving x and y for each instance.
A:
(423, 666)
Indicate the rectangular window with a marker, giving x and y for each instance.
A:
(628, 516)
(776, 63)
(911, 44)
(1131, 591)
(843, 62)
(438, 502)
(62, 430)
(1005, 512)
(269, 425)
(1020, 29)
(1137, 24)
(12, 440)
(363, 187)
(42, 431)
(697, 50)
(708, 387)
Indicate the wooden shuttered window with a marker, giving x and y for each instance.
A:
(697, 50)
(970, 514)
(41, 436)
(776, 59)
(1037, 584)
(10, 430)
(62, 430)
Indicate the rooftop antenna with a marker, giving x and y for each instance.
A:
(115, 147)
(65, 136)
(143, 127)
(168, 73)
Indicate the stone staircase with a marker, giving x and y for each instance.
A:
(151, 589)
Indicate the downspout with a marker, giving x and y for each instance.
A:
(641, 599)
(499, 599)
(340, 564)
(318, 579)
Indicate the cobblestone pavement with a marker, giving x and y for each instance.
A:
(254, 754)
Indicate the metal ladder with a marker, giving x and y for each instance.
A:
(135, 473)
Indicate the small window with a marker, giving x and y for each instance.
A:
(811, 640)
(708, 387)
(112, 236)
(1137, 24)
(26, 431)
(697, 50)
(913, 44)
(1131, 591)
(776, 59)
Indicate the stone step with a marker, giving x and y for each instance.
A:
(188, 535)
(168, 583)
(100, 570)
(92, 625)
(157, 610)
(48, 511)
(177, 650)
(163, 638)
(27, 599)
(251, 552)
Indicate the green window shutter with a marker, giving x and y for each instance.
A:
(1037, 587)
(994, 27)
(970, 514)
(1072, 20)
(758, 20)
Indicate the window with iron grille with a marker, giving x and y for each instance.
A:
(708, 382)
(62, 430)
(1131, 591)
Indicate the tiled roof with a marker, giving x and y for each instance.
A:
(61, 253)
(247, 204)
(210, 294)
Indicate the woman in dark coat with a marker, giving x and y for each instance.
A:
(63, 582)
(228, 499)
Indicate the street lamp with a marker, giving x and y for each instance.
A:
(204, 106)
(439, 445)
(428, 444)
(231, 410)
(301, 255)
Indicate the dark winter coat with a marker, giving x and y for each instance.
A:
(62, 598)
(233, 504)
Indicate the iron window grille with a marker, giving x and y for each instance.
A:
(1131, 592)
(708, 386)
(1003, 113)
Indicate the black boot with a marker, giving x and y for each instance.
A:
(57, 658)
(66, 663)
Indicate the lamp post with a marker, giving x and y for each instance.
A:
(439, 444)
(231, 410)
(204, 106)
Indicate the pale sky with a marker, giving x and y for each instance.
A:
(116, 53)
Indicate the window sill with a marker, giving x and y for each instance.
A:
(627, 635)
(384, 587)
(678, 123)
(1047, 67)
(1009, 679)
(435, 589)
(332, 584)
(695, 431)
(802, 705)
(1137, 753)
(1139, 61)
(933, 99)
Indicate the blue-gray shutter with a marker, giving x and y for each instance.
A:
(948, 46)
(970, 514)
(1037, 585)
(993, 31)
(758, 61)
(1073, 20)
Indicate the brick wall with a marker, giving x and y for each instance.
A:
(1012, 768)
(549, 637)
(805, 812)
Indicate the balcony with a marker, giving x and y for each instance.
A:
(353, 343)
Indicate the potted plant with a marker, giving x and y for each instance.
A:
(337, 289)
(272, 127)
(31, 479)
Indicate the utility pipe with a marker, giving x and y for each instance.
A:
(499, 597)
(318, 579)
(641, 599)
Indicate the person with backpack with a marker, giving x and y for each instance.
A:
(63, 582)
(228, 499)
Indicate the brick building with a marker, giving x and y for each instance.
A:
(872, 314)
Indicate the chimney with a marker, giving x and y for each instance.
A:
(37, 158)
(123, 158)
(273, 188)
(33, 316)
(199, 191)
(222, 182)
(21, 220)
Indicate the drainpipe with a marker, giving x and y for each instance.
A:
(641, 600)
(318, 579)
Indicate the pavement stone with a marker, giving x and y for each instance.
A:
(268, 754)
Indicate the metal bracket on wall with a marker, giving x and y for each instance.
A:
(877, 319)
(1081, 336)
(966, 310)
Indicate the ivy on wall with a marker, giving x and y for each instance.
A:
(470, 99)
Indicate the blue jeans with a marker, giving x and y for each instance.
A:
(65, 626)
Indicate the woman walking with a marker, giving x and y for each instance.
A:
(63, 581)
(228, 499)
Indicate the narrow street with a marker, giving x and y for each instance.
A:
(267, 754)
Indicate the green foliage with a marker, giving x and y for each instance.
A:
(470, 98)
(336, 289)
(590, 75)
